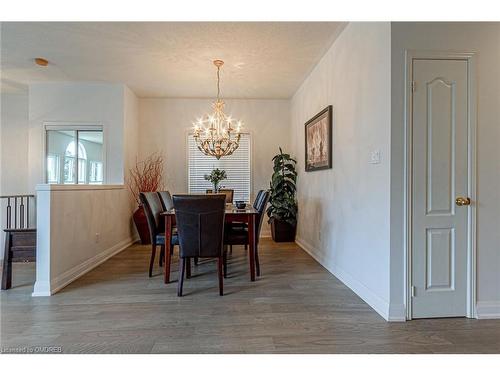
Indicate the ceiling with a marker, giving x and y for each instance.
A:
(168, 59)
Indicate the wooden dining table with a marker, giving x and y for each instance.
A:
(232, 215)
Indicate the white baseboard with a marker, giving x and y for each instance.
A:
(488, 310)
(397, 313)
(44, 289)
(378, 304)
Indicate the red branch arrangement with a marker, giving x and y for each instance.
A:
(146, 176)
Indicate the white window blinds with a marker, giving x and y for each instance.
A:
(237, 167)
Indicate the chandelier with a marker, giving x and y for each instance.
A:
(215, 134)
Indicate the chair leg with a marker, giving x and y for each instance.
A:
(162, 255)
(257, 263)
(224, 260)
(230, 249)
(195, 261)
(220, 262)
(188, 268)
(246, 247)
(171, 249)
(152, 260)
(182, 267)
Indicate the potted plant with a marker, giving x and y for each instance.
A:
(216, 176)
(147, 175)
(282, 210)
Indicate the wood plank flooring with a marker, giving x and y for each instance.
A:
(296, 306)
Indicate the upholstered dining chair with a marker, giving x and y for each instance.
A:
(238, 235)
(200, 228)
(228, 192)
(166, 200)
(152, 208)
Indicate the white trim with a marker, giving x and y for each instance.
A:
(488, 310)
(59, 282)
(378, 304)
(470, 57)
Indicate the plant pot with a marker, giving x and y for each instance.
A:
(283, 231)
(141, 223)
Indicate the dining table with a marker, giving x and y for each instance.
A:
(232, 215)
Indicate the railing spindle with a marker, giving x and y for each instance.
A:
(9, 214)
(21, 203)
(21, 213)
(28, 211)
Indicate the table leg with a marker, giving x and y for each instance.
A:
(168, 256)
(252, 243)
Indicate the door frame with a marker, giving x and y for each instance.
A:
(470, 58)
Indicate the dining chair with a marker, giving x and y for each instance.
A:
(228, 192)
(238, 235)
(239, 225)
(166, 200)
(152, 208)
(200, 228)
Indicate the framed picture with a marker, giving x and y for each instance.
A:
(319, 141)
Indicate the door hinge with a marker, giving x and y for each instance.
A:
(413, 291)
(413, 86)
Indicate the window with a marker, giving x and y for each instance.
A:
(79, 151)
(95, 172)
(237, 167)
(53, 169)
(69, 163)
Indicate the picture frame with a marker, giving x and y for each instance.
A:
(318, 141)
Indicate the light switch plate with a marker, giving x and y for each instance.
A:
(374, 157)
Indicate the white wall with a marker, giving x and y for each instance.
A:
(13, 151)
(344, 212)
(484, 40)
(77, 103)
(79, 227)
(164, 125)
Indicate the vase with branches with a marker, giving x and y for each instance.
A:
(145, 176)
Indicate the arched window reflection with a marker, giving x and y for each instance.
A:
(69, 163)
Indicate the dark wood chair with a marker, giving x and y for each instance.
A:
(200, 226)
(238, 235)
(152, 208)
(228, 192)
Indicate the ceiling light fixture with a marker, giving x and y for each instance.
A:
(215, 134)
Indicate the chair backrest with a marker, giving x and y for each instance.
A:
(166, 200)
(152, 208)
(228, 192)
(258, 198)
(200, 224)
(260, 205)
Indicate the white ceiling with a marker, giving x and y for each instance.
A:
(168, 59)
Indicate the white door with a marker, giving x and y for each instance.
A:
(439, 222)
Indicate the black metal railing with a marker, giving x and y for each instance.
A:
(17, 210)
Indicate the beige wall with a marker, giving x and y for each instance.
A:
(344, 211)
(79, 227)
(164, 125)
(484, 40)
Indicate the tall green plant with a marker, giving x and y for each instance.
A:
(283, 205)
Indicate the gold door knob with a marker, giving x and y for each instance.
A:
(461, 201)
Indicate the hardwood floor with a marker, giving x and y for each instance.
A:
(296, 306)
